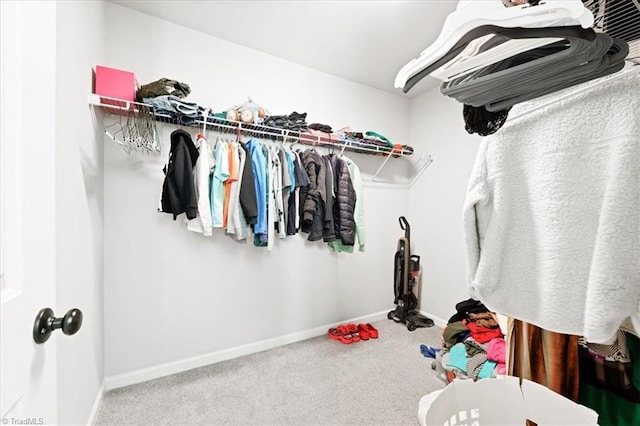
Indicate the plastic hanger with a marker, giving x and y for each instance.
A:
(471, 59)
(518, 68)
(239, 132)
(471, 14)
(203, 135)
(509, 42)
(285, 138)
(526, 76)
(611, 62)
(501, 51)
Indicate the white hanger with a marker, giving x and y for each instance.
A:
(203, 135)
(471, 14)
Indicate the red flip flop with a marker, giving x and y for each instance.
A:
(373, 332)
(341, 333)
(353, 330)
(363, 331)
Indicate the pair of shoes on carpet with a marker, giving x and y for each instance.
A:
(428, 351)
(348, 333)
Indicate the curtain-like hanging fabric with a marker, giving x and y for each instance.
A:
(545, 357)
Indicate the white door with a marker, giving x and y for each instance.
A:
(27, 206)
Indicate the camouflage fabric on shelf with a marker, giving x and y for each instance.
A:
(162, 87)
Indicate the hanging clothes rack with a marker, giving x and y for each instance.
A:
(419, 163)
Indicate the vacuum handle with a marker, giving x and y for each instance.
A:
(404, 224)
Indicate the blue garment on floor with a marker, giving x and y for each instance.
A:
(428, 351)
(486, 372)
(458, 357)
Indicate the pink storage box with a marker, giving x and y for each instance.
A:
(115, 83)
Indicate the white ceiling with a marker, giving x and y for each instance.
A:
(363, 41)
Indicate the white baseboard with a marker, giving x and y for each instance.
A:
(96, 405)
(174, 367)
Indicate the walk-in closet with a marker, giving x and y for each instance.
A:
(320, 213)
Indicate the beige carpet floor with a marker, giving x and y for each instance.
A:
(314, 382)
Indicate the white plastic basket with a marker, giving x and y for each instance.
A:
(502, 401)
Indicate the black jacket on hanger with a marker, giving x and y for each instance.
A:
(345, 202)
(328, 231)
(312, 205)
(248, 200)
(178, 189)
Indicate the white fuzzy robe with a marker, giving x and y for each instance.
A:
(552, 214)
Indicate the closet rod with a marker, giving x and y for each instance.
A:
(630, 69)
(255, 129)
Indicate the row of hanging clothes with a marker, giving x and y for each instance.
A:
(494, 54)
(262, 190)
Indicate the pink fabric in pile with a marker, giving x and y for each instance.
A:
(496, 352)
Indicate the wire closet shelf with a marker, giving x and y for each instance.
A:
(113, 106)
(121, 107)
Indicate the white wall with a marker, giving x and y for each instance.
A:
(437, 127)
(171, 294)
(80, 42)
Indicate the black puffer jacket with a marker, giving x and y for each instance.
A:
(312, 207)
(329, 229)
(178, 189)
(345, 201)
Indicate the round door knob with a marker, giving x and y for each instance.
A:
(46, 322)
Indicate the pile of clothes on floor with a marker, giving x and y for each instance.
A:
(473, 345)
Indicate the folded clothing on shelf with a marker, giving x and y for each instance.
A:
(325, 128)
(170, 103)
(295, 121)
(374, 136)
(162, 87)
(312, 135)
(184, 112)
